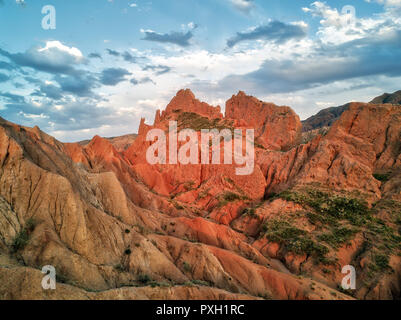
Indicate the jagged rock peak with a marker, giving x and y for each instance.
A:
(185, 101)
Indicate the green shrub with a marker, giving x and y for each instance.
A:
(229, 180)
(30, 225)
(187, 267)
(189, 185)
(22, 238)
(178, 206)
(381, 261)
(231, 196)
(144, 278)
(383, 177)
(164, 284)
(249, 212)
(200, 283)
(155, 284)
(119, 267)
(258, 145)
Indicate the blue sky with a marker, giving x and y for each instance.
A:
(108, 63)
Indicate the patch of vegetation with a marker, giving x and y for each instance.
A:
(338, 236)
(120, 268)
(266, 296)
(231, 197)
(384, 234)
(22, 238)
(187, 267)
(203, 194)
(228, 197)
(338, 207)
(230, 181)
(381, 262)
(61, 278)
(178, 206)
(190, 120)
(250, 212)
(144, 278)
(383, 177)
(258, 145)
(189, 185)
(127, 251)
(200, 283)
(142, 230)
(295, 240)
(348, 292)
(188, 284)
(162, 284)
(326, 271)
(321, 219)
(127, 231)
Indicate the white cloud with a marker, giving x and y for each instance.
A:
(243, 5)
(337, 27)
(331, 17)
(72, 51)
(388, 3)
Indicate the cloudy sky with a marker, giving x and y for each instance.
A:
(109, 62)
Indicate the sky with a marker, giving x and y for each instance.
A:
(104, 64)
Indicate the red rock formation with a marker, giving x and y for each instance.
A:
(185, 100)
(276, 128)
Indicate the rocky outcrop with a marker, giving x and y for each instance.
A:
(346, 158)
(185, 101)
(276, 128)
(188, 182)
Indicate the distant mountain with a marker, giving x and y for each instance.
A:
(121, 143)
(393, 98)
(324, 118)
